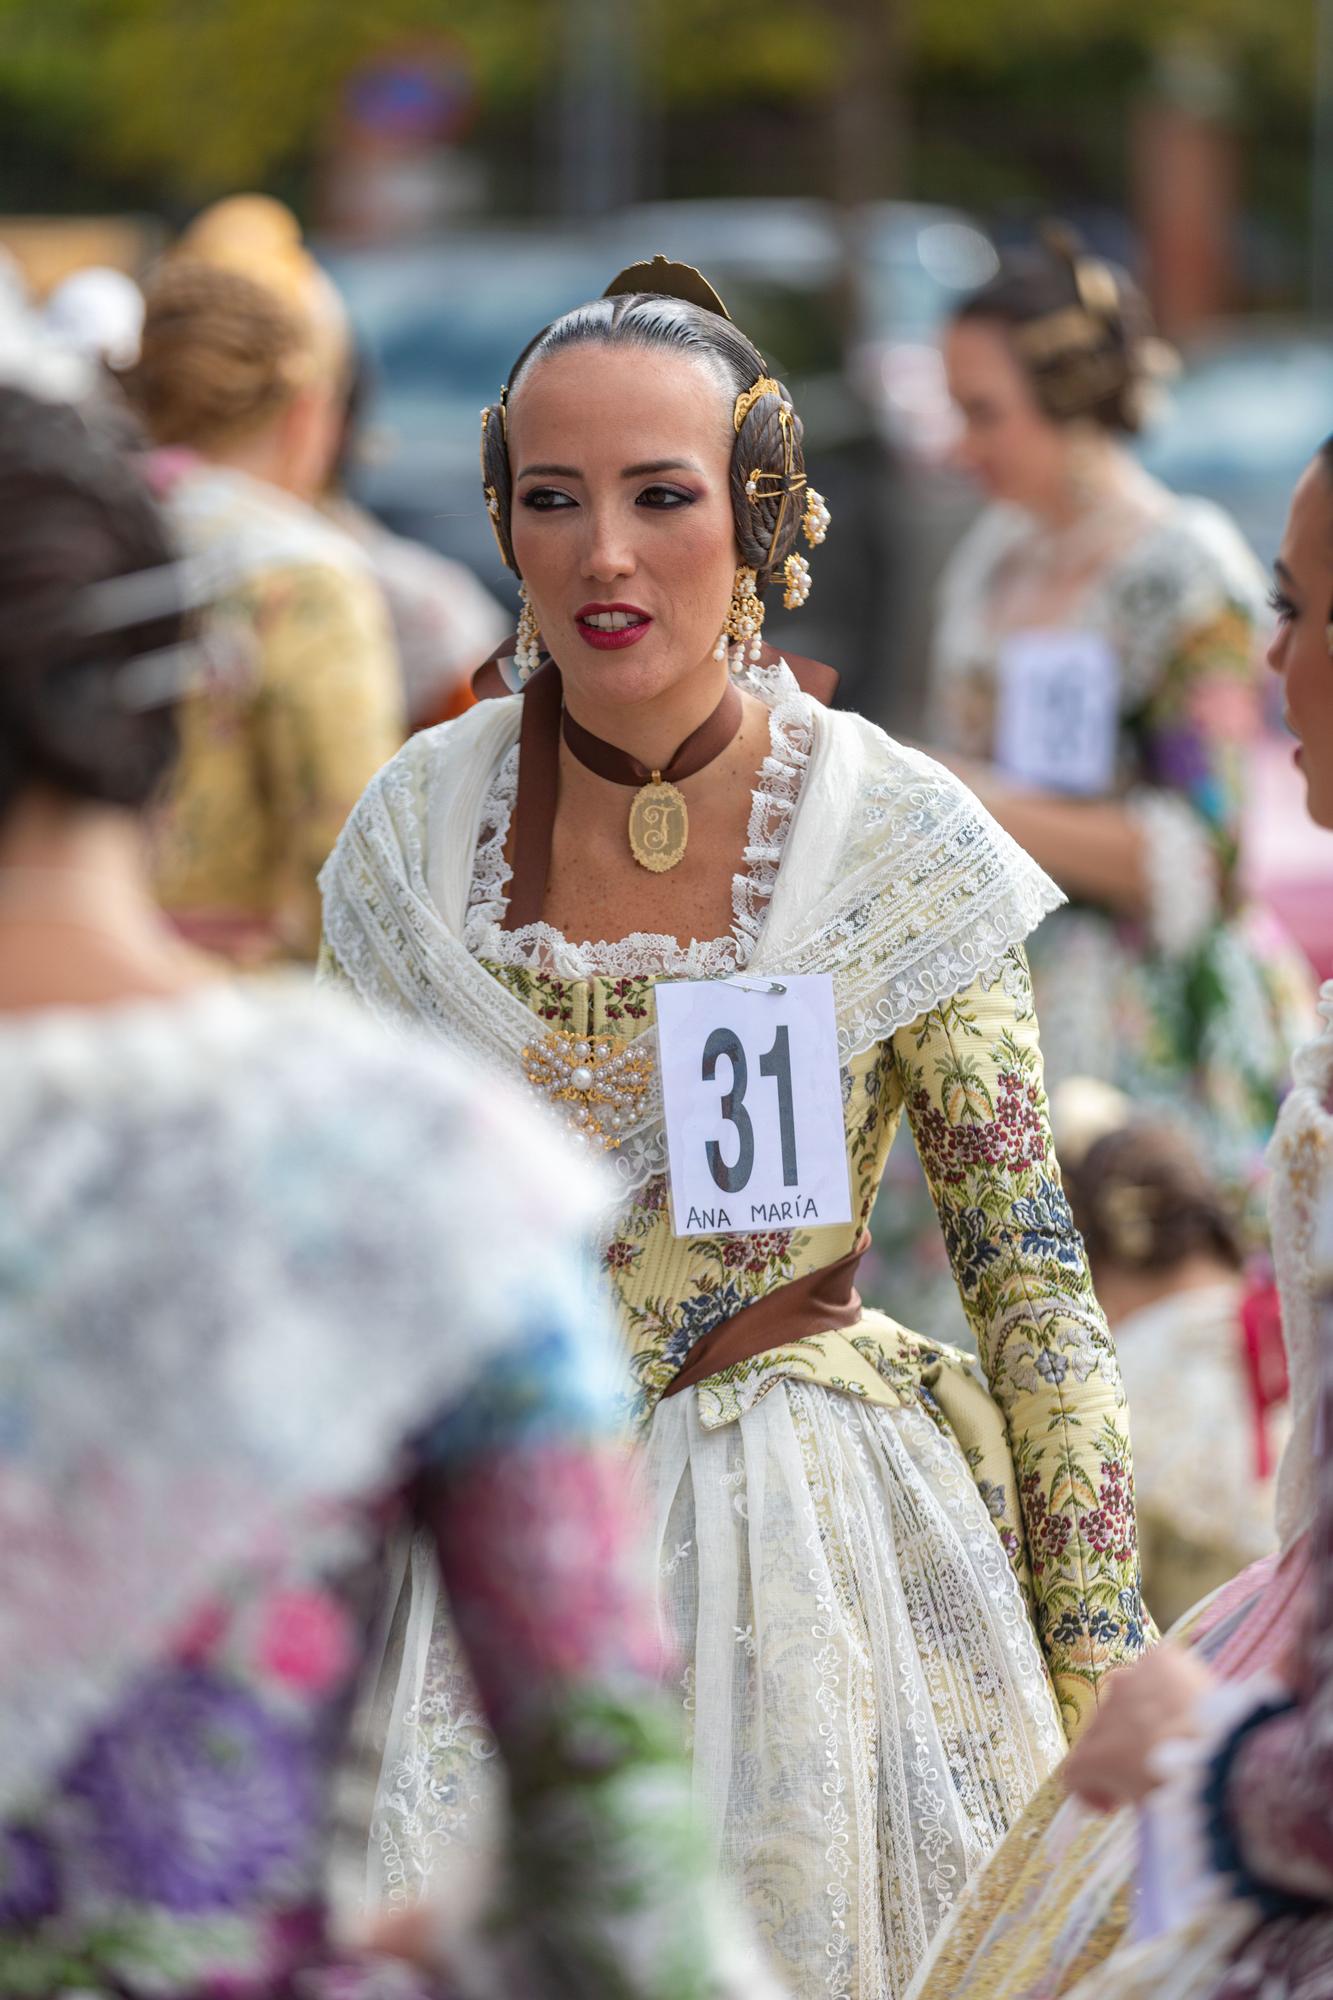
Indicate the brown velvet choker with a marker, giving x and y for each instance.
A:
(659, 819)
(539, 768)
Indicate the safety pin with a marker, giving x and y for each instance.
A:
(756, 985)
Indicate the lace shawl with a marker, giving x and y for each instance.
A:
(894, 880)
(207, 1204)
(238, 528)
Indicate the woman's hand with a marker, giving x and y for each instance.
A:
(409, 1934)
(1146, 1704)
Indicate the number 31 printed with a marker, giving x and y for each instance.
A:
(724, 1042)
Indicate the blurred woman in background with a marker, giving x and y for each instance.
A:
(1202, 1361)
(1096, 682)
(201, 1451)
(240, 383)
(445, 621)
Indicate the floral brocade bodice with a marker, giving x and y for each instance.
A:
(1046, 1440)
(673, 1290)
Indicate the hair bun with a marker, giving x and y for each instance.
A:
(259, 239)
(74, 512)
(1080, 325)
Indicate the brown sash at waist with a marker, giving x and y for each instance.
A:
(820, 1302)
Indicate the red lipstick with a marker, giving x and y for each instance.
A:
(611, 627)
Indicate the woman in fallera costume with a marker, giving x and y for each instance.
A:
(1126, 620)
(893, 1592)
(238, 384)
(1050, 1916)
(1095, 681)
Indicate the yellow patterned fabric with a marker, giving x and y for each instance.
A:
(299, 704)
(1046, 1441)
(273, 761)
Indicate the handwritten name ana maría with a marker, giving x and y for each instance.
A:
(763, 1214)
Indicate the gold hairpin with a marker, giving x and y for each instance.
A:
(781, 481)
(1070, 330)
(745, 402)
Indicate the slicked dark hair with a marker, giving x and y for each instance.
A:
(766, 531)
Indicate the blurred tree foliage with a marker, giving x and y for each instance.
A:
(188, 97)
(209, 94)
(725, 48)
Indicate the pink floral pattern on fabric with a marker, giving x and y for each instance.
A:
(1278, 1799)
(306, 1640)
(528, 1530)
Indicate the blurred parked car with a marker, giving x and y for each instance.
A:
(915, 264)
(440, 324)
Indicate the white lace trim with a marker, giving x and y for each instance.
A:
(1180, 573)
(542, 947)
(894, 881)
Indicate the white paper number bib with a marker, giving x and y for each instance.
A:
(752, 1093)
(1057, 714)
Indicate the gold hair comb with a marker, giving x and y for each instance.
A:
(670, 281)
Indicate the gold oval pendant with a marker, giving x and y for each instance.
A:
(659, 827)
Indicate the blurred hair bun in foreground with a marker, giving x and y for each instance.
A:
(240, 317)
(260, 239)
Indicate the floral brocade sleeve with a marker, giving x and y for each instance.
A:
(971, 1077)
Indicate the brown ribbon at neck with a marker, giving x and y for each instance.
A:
(538, 792)
(821, 1302)
(539, 766)
(701, 746)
